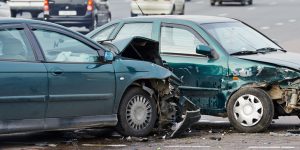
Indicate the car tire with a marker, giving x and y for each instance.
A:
(220, 2)
(183, 9)
(243, 2)
(212, 3)
(133, 14)
(13, 13)
(173, 11)
(34, 14)
(94, 24)
(250, 110)
(250, 2)
(137, 113)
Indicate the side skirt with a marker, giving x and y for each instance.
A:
(25, 125)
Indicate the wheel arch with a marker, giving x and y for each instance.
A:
(143, 83)
(262, 86)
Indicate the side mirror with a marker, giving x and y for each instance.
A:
(207, 51)
(108, 56)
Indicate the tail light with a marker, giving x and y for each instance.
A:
(46, 7)
(90, 5)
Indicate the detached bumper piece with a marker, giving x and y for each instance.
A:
(191, 116)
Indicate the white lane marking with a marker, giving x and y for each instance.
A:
(251, 8)
(265, 28)
(100, 145)
(223, 14)
(279, 24)
(273, 3)
(271, 147)
(292, 20)
(186, 146)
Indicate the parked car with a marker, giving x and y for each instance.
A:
(80, 13)
(55, 78)
(243, 2)
(35, 7)
(157, 7)
(4, 9)
(246, 76)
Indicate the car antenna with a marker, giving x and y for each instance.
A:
(140, 8)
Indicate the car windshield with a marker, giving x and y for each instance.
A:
(237, 37)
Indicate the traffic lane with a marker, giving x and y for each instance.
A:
(203, 135)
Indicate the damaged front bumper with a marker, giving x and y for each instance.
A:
(176, 112)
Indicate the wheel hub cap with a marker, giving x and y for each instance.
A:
(138, 112)
(248, 110)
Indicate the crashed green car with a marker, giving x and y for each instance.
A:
(227, 67)
(54, 78)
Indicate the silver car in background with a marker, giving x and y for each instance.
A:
(157, 7)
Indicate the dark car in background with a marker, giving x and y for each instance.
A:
(243, 2)
(79, 13)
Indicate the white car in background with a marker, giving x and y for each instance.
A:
(157, 7)
(4, 9)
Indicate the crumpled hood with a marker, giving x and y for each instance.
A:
(284, 59)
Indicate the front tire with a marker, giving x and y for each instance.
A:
(137, 113)
(243, 2)
(13, 13)
(250, 110)
(250, 2)
(94, 24)
(212, 3)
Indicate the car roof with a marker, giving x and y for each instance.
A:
(21, 20)
(30, 21)
(199, 19)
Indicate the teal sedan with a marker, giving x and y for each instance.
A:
(54, 78)
(227, 67)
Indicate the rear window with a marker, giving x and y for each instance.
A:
(70, 1)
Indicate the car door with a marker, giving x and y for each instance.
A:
(23, 80)
(79, 83)
(201, 75)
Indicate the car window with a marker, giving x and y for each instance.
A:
(14, 45)
(135, 29)
(104, 34)
(61, 48)
(178, 40)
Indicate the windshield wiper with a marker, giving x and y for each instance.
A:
(246, 52)
(269, 49)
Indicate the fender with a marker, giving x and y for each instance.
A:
(128, 71)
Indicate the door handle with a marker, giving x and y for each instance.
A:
(57, 72)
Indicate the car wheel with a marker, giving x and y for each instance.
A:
(250, 2)
(133, 14)
(173, 11)
(212, 3)
(243, 2)
(137, 113)
(13, 13)
(250, 110)
(94, 24)
(182, 12)
(34, 14)
(220, 2)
